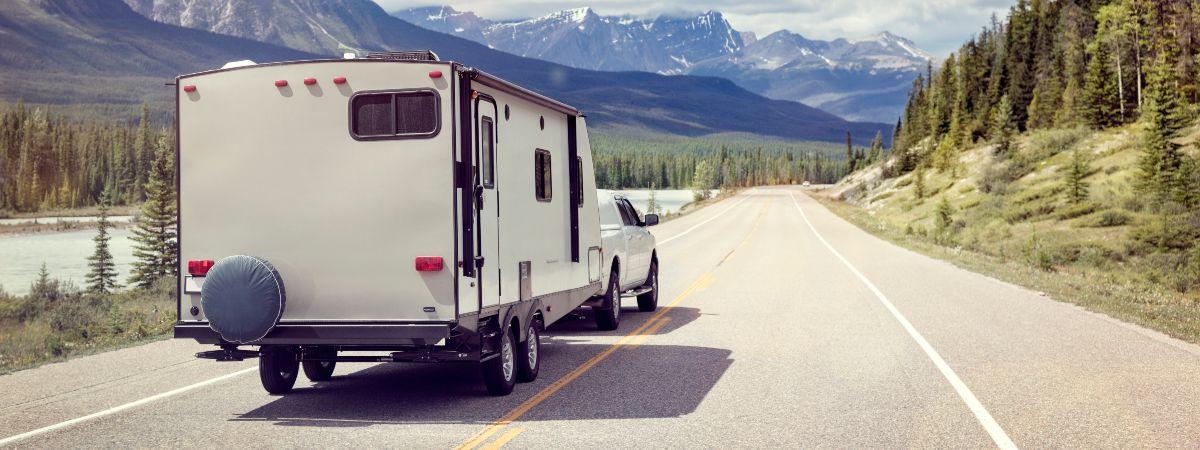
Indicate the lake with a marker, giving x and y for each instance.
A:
(669, 200)
(66, 253)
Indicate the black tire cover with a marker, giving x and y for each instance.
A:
(243, 298)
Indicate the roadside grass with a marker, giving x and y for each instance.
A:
(1009, 219)
(57, 321)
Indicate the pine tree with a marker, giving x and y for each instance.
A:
(652, 205)
(1076, 187)
(919, 182)
(102, 271)
(943, 215)
(702, 181)
(1102, 101)
(876, 148)
(1160, 163)
(1004, 129)
(155, 232)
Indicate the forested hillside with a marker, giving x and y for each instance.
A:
(1063, 140)
(1060, 64)
(50, 162)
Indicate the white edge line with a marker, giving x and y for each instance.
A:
(710, 219)
(116, 409)
(985, 419)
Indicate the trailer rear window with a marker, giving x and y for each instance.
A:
(541, 175)
(394, 115)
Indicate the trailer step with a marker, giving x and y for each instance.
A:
(637, 292)
(228, 354)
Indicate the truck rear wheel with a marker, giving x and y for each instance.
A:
(529, 355)
(649, 301)
(500, 373)
(610, 318)
(320, 370)
(277, 369)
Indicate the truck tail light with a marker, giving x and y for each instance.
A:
(199, 267)
(429, 263)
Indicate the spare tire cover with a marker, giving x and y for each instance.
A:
(243, 298)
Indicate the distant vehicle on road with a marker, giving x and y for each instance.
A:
(394, 203)
(630, 259)
(807, 183)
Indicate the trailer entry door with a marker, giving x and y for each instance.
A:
(487, 203)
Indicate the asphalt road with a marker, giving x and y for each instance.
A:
(787, 327)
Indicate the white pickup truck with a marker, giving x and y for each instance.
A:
(630, 259)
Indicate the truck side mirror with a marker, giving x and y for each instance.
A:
(650, 220)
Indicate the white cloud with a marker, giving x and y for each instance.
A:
(938, 26)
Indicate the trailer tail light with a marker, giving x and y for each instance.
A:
(189, 88)
(339, 80)
(199, 267)
(435, 74)
(429, 264)
(310, 81)
(280, 83)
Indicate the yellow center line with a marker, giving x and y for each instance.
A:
(701, 283)
(650, 331)
(503, 439)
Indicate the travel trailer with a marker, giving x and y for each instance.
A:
(388, 208)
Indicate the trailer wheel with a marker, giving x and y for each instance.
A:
(649, 301)
(610, 318)
(320, 370)
(529, 354)
(277, 369)
(500, 373)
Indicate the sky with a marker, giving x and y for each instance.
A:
(938, 26)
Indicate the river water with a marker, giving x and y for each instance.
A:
(65, 253)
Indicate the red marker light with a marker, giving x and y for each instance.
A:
(339, 80)
(280, 83)
(189, 88)
(199, 267)
(429, 263)
(310, 81)
(435, 74)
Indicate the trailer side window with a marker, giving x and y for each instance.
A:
(487, 153)
(541, 175)
(394, 115)
(579, 182)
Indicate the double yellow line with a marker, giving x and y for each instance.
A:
(633, 339)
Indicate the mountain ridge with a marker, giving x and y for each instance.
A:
(686, 105)
(843, 76)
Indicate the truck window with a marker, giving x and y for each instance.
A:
(542, 175)
(627, 214)
(487, 152)
(633, 212)
(394, 115)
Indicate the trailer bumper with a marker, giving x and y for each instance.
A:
(397, 334)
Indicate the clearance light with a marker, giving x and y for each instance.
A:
(189, 88)
(199, 267)
(280, 83)
(435, 74)
(310, 81)
(339, 80)
(429, 263)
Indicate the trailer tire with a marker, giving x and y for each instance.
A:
(649, 301)
(500, 373)
(277, 369)
(609, 318)
(529, 353)
(320, 370)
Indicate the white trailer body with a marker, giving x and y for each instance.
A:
(406, 204)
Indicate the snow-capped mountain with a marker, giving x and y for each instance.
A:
(862, 79)
(582, 38)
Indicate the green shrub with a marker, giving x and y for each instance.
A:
(1169, 231)
(1027, 212)
(1077, 210)
(1037, 254)
(1107, 218)
(1046, 143)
